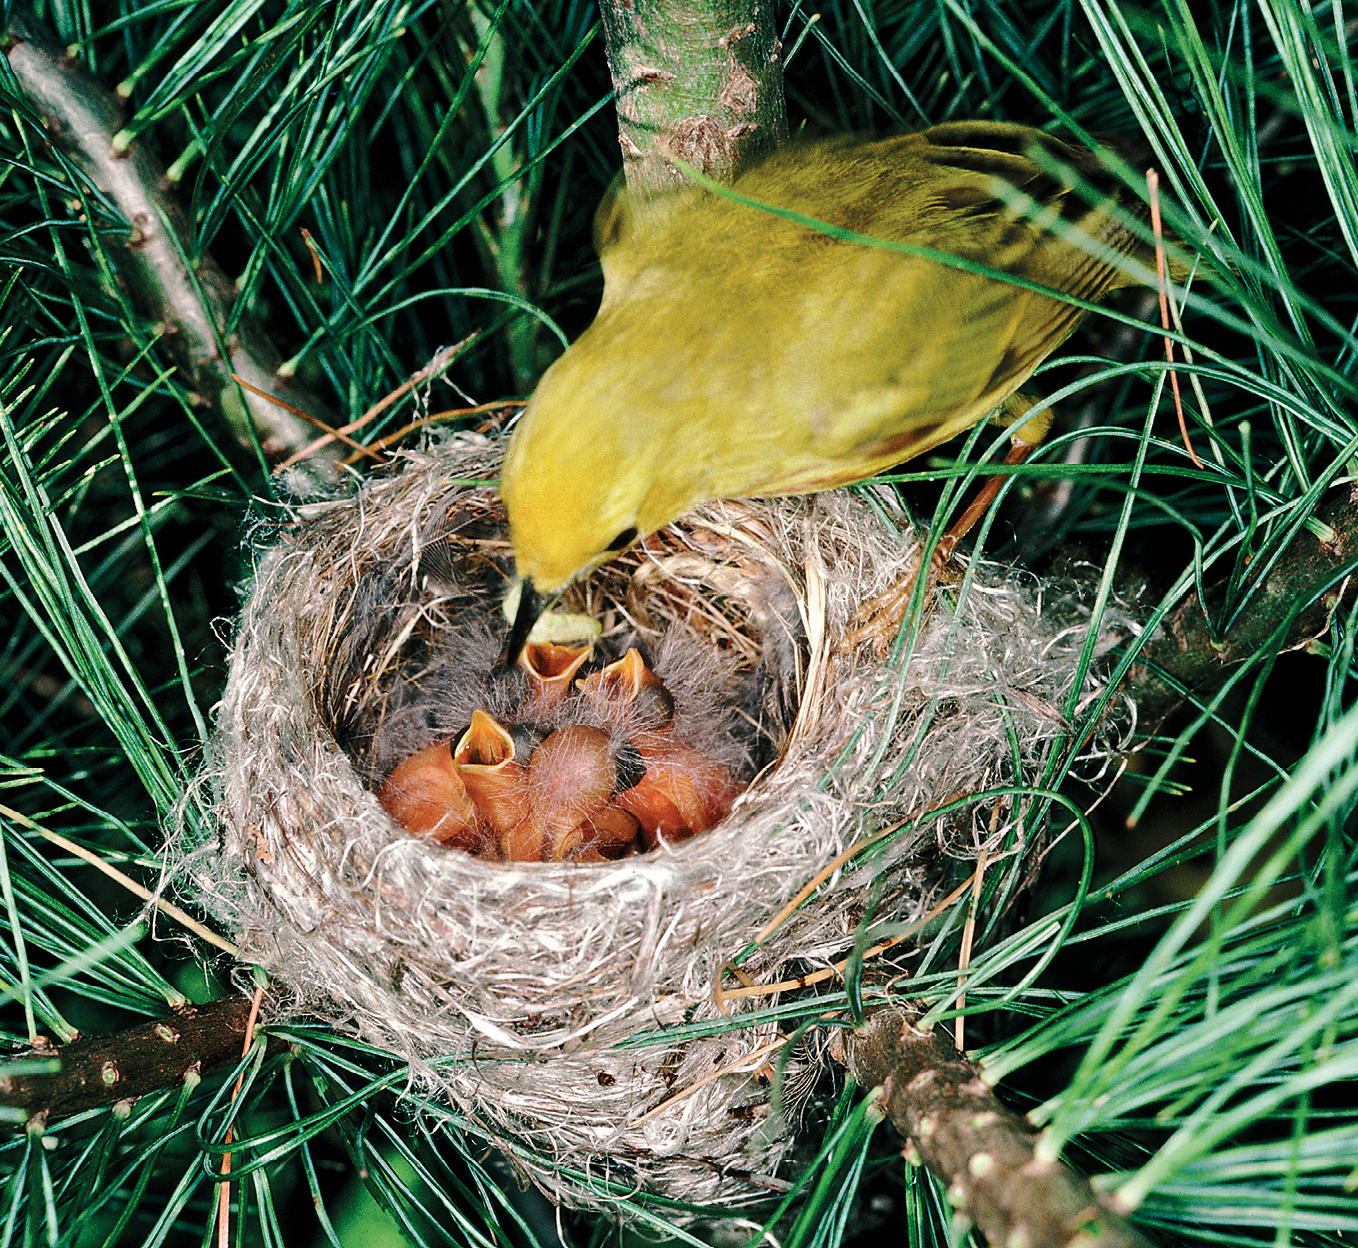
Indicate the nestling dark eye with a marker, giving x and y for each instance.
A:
(624, 539)
(631, 767)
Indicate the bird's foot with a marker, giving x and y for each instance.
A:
(879, 619)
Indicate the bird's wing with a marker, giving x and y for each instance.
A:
(916, 370)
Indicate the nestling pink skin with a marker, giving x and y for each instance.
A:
(484, 755)
(427, 797)
(629, 692)
(683, 792)
(570, 780)
(608, 835)
(550, 668)
(563, 804)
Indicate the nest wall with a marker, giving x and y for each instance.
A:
(577, 1014)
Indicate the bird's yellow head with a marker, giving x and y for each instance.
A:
(580, 483)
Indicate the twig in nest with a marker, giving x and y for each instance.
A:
(831, 867)
(757, 1059)
(751, 989)
(436, 366)
(983, 1151)
(438, 418)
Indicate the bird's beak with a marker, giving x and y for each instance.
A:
(531, 604)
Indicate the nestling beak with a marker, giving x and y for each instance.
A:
(551, 668)
(628, 689)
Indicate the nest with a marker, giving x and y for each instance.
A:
(599, 1021)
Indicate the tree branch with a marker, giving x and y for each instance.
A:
(982, 1150)
(701, 80)
(93, 1071)
(1291, 608)
(83, 120)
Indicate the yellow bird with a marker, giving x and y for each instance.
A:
(779, 341)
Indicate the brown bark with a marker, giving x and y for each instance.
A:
(700, 80)
(103, 1070)
(980, 1149)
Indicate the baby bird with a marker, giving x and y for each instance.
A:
(603, 775)
(628, 693)
(679, 791)
(572, 777)
(494, 777)
(810, 329)
(426, 796)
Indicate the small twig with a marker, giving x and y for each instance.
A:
(330, 431)
(1162, 275)
(760, 1054)
(983, 1151)
(442, 359)
(437, 418)
(749, 989)
(137, 890)
(969, 935)
(840, 859)
(224, 1193)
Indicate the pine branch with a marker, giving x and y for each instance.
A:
(700, 80)
(192, 306)
(1291, 608)
(984, 1152)
(94, 1071)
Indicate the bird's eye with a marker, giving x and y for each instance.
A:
(624, 539)
(631, 768)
